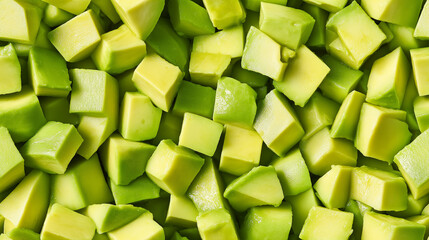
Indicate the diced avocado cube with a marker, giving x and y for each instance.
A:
(26, 205)
(23, 234)
(253, 79)
(258, 187)
(420, 112)
(74, 7)
(200, 134)
(419, 59)
(301, 205)
(235, 103)
(77, 38)
(320, 152)
(358, 209)
(138, 190)
(403, 36)
(208, 68)
(85, 184)
(181, 212)
(226, 42)
(408, 103)
(288, 26)
(169, 128)
(389, 11)
(423, 220)
(107, 9)
(63, 223)
(385, 227)
(54, 16)
(414, 207)
(299, 84)
(217, 224)
(267, 222)
(422, 28)
(323, 223)
(158, 79)
(374, 163)
(194, 98)
(144, 228)
(189, 19)
(384, 191)
(10, 79)
(12, 170)
(329, 5)
(317, 36)
(263, 55)
(225, 13)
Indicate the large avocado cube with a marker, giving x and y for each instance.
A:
(225, 13)
(74, 7)
(181, 212)
(329, 5)
(194, 98)
(217, 224)
(208, 68)
(390, 11)
(421, 219)
(419, 59)
(138, 190)
(10, 78)
(12, 162)
(422, 29)
(77, 38)
(226, 42)
(142, 228)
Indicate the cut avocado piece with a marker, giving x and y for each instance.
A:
(217, 224)
(422, 28)
(12, 170)
(74, 7)
(419, 59)
(207, 68)
(181, 212)
(253, 79)
(414, 207)
(358, 209)
(225, 13)
(54, 16)
(11, 70)
(23, 234)
(169, 128)
(420, 112)
(390, 11)
(329, 5)
(317, 36)
(301, 206)
(144, 227)
(136, 191)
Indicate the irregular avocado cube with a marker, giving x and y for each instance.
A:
(253, 79)
(225, 13)
(23, 234)
(169, 128)
(414, 207)
(389, 11)
(301, 206)
(420, 112)
(10, 79)
(217, 224)
(422, 29)
(136, 191)
(54, 16)
(329, 5)
(403, 36)
(74, 7)
(317, 36)
(358, 209)
(194, 98)
(12, 170)
(208, 68)
(419, 59)
(144, 227)
(181, 212)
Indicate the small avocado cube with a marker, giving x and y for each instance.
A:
(207, 68)
(226, 42)
(189, 19)
(408, 103)
(317, 36)
(422, 29)
(100, 236)
(200, 134)
(419, 59)
(385, 227)
(10, 78)
(108, 9)
(77, 38)
(329, 5)
(414, 207)
(74, 7)
(301, 206)
(323, 223)
(320, 152)
(241, 150)
(225, 13)
(173, 168)
(263, 55)
(181, 212)
(253, 79)
(138, 190)
(158, 79)
(57, 109)
(267, 222)
(389, 11)
(140, 16)
(169, 128)
(403, 36)
(423, 220)
(288, 26)
(194, 98)
(54, 16)
(124, 160)
(235, 103)
(258, 187)
(23, 234)
(217, 224)
(383, 191)
(26, 205)
(139, 118)
(299, 84)
(12, 170)
(358, 209)
(420, 112)
(142, 228)
(85, 182)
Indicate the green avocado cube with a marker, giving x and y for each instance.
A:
(57, 109)
(181, 212)
(217, 224)
(23, 234)
(200, 134)
(419, 59)
(169, 128)
(329, 5)
(12, 170)
(288, 26)
(208, 68)
(422, 29)
(420, 112)
(173, 167)
(389, 11)
(225, 13)
(22, 50)
(299, 84)
(301, 206)
(383, 191)
(138, 190)
(63, 223)
(323, 223)
(403, 36)
(124, 160)
(74, 7)
(252, 79)
(317, 36)
(189, 19)
(194, 98)
(11, 70)
(386, 30)
(54, 16)
(423, 220)
(139, 118)
(107, 9)
(358, 209)
(77, 38)
(414, 207)
(226, 42)
(263, 55)
(142, 228)
(408, 103)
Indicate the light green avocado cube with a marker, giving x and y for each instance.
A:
(347, 118)
(258, 187)
(124, 160)
(241, 150)
(140, 16)
(414, 207)
(139, 118)
(381, 132)
(389, 11)
(208, 68)
(217, 224)
(263, 55)
(386, 30)
(23, 234)
(226, 42)
(142, 228)
(21, 114)
(320, 152)
(181, 212)
(422, 29)
(288, 26)
(403, 36)
(138, 190)
(255, 5)
(118, 51)
(323, 223)
(189, 19)
(12, 162)
(77, 38)
(126, 83)
(63, 223)
(420, 112)
(299, 84)
(74, 7)
(173, 168)
(267, 222)
(336, 48)
(194, 98)
(22, 50)
(423, 220)
(225, 13)
(108, 9)
(26, 205)
(235, 103)
(301, 206)
(383, 191)
(358, 209)
(158, 79)
(253, 79)
(333, 188)
(57, 109)
(10, 78)
(54, 16)
(408, 103)
(85, 184)
(329, 5)
(384, 227)
(169, 128)
(419, 59)
(52, 148)
(200, 134)
(317, 36)
(108, 217)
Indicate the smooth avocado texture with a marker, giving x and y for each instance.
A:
(182, 212)
(389, 11)
(207, 68)
(225, 13)
(140, 189)
(418, 60)
(420, 106)
(194, 98)
(217, 224)
(73, 7)
(10, 79)
(144, 227)
(12, 170)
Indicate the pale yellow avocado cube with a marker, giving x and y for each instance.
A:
(72, 6)
(217, 224)
(420, 61)
(226, 42)
(207, 68)
(225, 13)
(181, 212)
(143, 228)
(158, 79)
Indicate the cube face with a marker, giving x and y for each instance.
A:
(329, 5)
(12, 161)
(182, 212)
(301, 206)
(138, 190)
(422, 29)
(387, 11)
(144, 227)
(207, 68)
(225, 13)
(419, 59)
(216, 224)
(11, 70)
(420, 112)
(195, 99)
(57, 109)
(75, 7)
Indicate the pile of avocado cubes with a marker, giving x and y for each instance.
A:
(214, 119)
